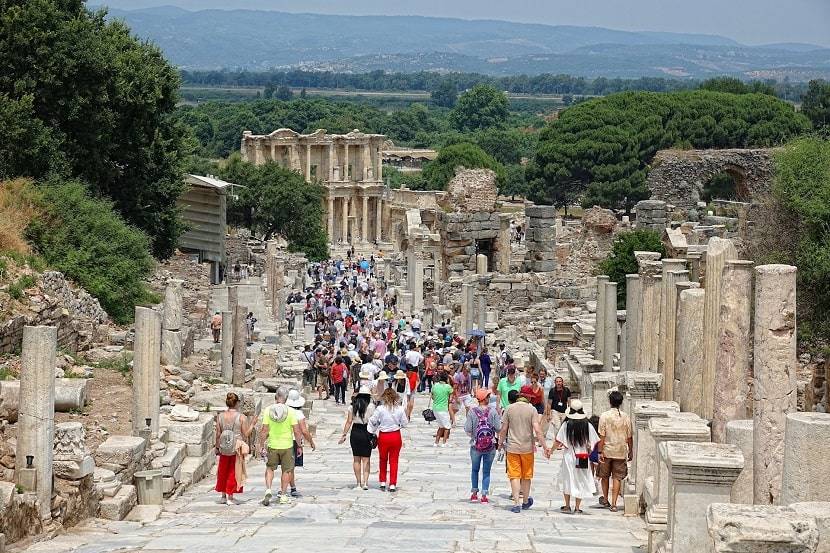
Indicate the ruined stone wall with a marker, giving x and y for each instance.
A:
(472, 190)
(678, 176)
(582, 244)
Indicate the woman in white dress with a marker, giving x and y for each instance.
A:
(577, 438)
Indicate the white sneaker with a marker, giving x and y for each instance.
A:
(358, 488)
(383, 486)
(434, 445)
(393, 488)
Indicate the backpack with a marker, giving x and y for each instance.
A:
(227, 439)
(485, 434)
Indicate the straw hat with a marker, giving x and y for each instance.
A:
(278, 412)
(575, 406)
(295, 400)
(364, 375)
(382, 375)
(400, 375)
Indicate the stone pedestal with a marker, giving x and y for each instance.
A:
(733, 369)
(700, 474)
(644, 449)
(688, 369)
(632, 321)
(755, 529)
(146, 370)
(240, 345)
(481, 264)
(806, 462)
(36, 418)
(227, 346)
(299, 322)
(609, 323)
(171, 347)
(669, 318)
(718, 252)
(774, 390)
(601, 382)
(599, 326)
(739, 434)
(638, 387)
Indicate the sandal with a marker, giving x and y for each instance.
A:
(613, 508)
(565, 509)
(603, 501)
(578, 511)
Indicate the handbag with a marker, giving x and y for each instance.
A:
(373, 441)
(428, 414)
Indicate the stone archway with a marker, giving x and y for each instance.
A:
(678, 177)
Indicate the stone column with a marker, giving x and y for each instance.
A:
(806, 463)
(171, 334)
(331, 220)
(694, 266)
(240, 345)
(739, 434)
(650, 277)
(733, 369)
(299, 322)
(367, 161)
(379, 172)
(745, 528)
(346, 176)
(644, 448)
(344, 221)
(146, 370)
(667, 297)
(364, 218)
(308, 162)
(467, 299)
(330, 149)
(481, 311)
(700, 474)
(774, 384)
(609, 331)
(417, 288)
(688, 370)
(632, 321)
(599, 327)
(481, 264)
(227, 346)
(379, 219)
(36, 415)
(718, 252)
(667, 340)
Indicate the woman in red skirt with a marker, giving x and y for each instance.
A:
(232, 430)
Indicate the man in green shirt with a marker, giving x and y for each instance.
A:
(509, 382)
(441, 393)
(276, 437)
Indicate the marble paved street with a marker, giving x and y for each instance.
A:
(429, 513)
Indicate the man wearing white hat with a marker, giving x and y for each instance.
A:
(279, 430)
(296, 402)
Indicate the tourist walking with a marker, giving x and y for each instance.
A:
(615, 449)
(482, 425)
(558, 401)
(277, 435)
(577, 438)
(386, 423)
(509, 383)
(338, 380)
(486, 366)
(296, 402)
(357, 421)
(232, 431)
(216, 326)
(441, 393)
(520, 424)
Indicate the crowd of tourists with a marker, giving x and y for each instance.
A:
(375, 360)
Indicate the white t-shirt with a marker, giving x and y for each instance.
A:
(413, 358)
(416, 324)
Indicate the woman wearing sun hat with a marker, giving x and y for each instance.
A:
(401, 387)
(577, 438)
(357, 420)
(296, 402)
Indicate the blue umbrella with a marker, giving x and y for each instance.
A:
(477, 332)
(364, 264)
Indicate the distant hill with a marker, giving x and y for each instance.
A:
(255, 40)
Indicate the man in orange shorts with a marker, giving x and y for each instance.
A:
(520, 424)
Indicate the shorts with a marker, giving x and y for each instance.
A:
(614, 468)
(520, 465)
(281, 457)
(443, 419)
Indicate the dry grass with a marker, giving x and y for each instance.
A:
(17, 209)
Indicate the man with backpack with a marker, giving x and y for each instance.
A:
(482, 425)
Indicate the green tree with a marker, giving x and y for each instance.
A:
(108, 98)
(84, 238)
(439, 172)
(283, 93)
(736, 86)
(19, 127)
(505, 145)
(445, 94)
(514, 183)
(816, 103)
(278, 201)
(481, 107)
(621, 260)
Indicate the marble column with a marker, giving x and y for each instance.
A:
(227, 346)
(806, 463)
(146, 370)
(367, 162)
(36, 415)
(344, 221)
(364, 218)
(609, 330)
(650, 277)
(331, 220)
(240, 345)
(599, 327)
(171, 323)
(299, 322)
(718, 252)
(644, 448)
(688, 370)
(308, 162)
(632, 321)
(481, 264)
(748, 528)
(379, 163)
(733, 368)
(699, 474)
(481, 311)
(346, 175)
(379, 219)
(739, 434)
(467, 299)
(667, 340)
(775, 366)
(417, 287)
(330, 151)
(667, 297)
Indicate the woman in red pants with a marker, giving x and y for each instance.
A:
(386, 423)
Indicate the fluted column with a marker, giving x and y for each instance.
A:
(609, 333)
(331, 220)
(364, 219)
(667, 335)
(344, 230)
(599, 327)
(650, 279)
(346, 176)
(330, 149)
(379, 165)
(666, 297)
(378, 218)
(632, 321)
(308, 162)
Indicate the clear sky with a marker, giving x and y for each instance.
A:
(748, 21)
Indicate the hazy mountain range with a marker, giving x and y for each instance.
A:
(255, 40)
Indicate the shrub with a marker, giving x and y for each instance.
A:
(621, 260)
(90, 243)
(24, 282)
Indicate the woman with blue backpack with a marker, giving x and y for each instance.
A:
(482, 425)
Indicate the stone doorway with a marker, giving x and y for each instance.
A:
(487, 246)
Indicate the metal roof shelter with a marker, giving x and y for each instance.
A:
(204, 208)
